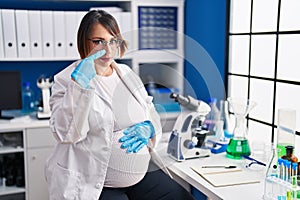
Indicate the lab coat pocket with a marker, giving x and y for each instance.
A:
(65, 183)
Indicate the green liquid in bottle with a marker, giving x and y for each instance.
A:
(238, 148)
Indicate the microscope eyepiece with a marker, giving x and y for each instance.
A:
(50, 79)
(173, 95)
(191, 103)
(40, 80)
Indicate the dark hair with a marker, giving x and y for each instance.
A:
(86, 25)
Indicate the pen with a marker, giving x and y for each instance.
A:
(219, 166)
(197, 157)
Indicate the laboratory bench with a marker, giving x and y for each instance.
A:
(187, 177)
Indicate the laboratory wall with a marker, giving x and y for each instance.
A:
(205, 47)
(205, 34)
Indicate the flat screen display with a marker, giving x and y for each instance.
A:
(10, 90)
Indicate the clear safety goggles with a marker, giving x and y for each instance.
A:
(113, 43)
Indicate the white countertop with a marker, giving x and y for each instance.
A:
(22, 121)
(251, 191)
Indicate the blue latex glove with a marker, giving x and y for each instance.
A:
(137, 136)
(85, 70)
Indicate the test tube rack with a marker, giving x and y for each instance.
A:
(278, 189)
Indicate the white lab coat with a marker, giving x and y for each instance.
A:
(82, 122)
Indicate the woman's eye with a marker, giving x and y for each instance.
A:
(97, 41)
(113, 41)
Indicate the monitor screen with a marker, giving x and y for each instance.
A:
(10, 91)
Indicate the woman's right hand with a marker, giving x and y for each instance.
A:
(85, 70)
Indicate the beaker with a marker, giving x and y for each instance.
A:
(238, 145)
(286, 127)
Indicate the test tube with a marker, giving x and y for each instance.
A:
(288, 195)
(285, 169)
(294, 194)
(281, 168)
(294, 180)
(289, 171)
(282, 191)
(294, 169)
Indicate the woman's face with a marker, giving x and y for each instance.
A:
(100, 39)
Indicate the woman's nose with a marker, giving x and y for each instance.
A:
(108, 48)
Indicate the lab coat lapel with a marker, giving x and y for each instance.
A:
(133, 82)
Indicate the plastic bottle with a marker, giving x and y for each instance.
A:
(213, 116)
(27, 98)
(151, 86)
(286, 126)
(224, 116)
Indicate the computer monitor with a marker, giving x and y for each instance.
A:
(10, 92)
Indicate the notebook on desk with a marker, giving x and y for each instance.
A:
(227, 177)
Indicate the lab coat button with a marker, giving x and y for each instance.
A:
(98, 185)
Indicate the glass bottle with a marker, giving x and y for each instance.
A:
(289, 154)
(27, 98)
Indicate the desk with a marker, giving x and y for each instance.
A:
(252, 191)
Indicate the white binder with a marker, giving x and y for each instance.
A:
(59, 34)
(9, 33)
(80, 15)
(47, 33)
(71, 28)
(35, 33)
(127, 29)
(1, 37)
(22, 30)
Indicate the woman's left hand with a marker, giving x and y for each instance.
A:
(137, 136)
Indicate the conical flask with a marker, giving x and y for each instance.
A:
(238, 145)
(271, 179)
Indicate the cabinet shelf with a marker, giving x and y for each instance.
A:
(11, 190)
(38, 59)
(48, 59)
(5, 150)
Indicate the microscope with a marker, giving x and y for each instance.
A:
(187, 136)
(45, 84)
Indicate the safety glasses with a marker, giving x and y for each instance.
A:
(113, 43)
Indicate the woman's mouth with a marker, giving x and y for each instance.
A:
(105, 59)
